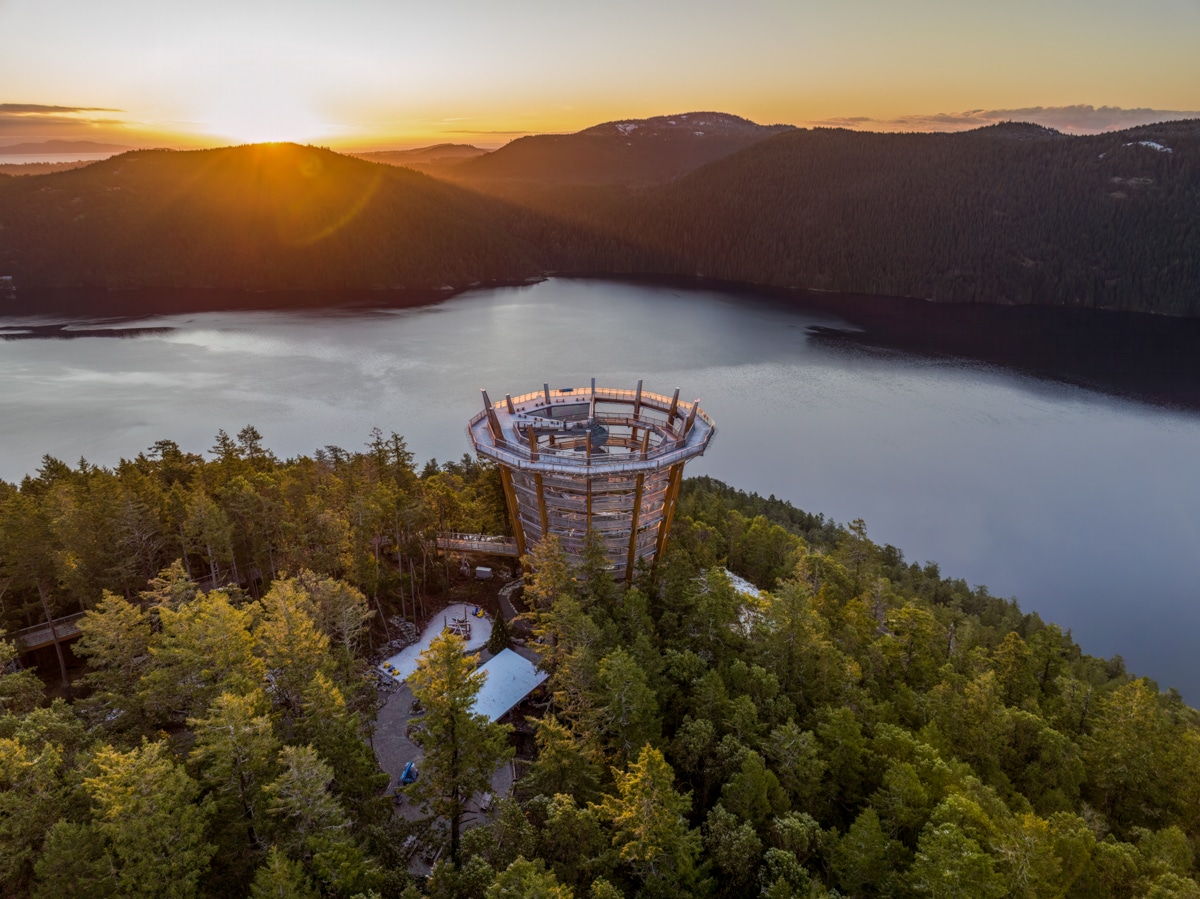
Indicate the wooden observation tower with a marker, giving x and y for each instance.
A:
(597, 458)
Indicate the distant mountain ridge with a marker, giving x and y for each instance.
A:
(423, 159)
(60, 147)
(626, 151)
(1010, 213)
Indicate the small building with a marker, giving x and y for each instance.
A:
(510, 678)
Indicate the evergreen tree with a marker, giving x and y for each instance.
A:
(151, 817)
(282, 878)
(312, 827)
(235, 754)
(498, 641)
(649, 828)
(461, 748)
(528, 880)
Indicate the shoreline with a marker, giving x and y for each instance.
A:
(1141, 356)
(149, 299)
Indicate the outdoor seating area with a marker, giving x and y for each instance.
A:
(469, 622)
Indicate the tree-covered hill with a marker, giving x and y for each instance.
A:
(1006, 214)
(268, 216)
(860, 727)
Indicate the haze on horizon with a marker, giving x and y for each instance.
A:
(371, 74)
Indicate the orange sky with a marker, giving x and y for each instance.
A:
(366, 73)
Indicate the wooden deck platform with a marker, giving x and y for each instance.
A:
(477, 543)
(31, 638)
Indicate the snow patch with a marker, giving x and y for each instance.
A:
(1153, 145)
(627, 127)
(750, 614)
(743, 586)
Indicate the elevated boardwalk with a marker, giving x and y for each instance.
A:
(31, 638)
(477, 543)
(39, 635)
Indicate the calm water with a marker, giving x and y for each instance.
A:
(1084, 506)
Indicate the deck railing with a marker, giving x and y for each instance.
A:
(40, 635)
(482, 543)
(516, 454)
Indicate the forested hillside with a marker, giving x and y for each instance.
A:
(864, 727)
(1010, 214)
(1007, 214)
(38, 168)
(268, 216)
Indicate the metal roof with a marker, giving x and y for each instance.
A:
(510, 678)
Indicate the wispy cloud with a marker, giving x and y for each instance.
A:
(34, 122)
(39, 109)
(1079, 119)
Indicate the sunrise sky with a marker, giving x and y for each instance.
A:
(370, 73)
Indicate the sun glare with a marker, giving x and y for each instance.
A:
(254, 117)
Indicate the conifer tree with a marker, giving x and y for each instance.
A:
(524, 879)
(462, 749)
(152, 820)
(498, 641)
(650, 832)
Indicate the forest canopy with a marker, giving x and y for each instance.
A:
(858, 725)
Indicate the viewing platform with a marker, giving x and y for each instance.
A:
(603, 460)
(31, 638)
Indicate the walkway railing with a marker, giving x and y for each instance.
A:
(40, 635)
(478, 543)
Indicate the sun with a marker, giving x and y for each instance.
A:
(257, 115)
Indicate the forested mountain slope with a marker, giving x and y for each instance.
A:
(1007, 214)
(262, 216)
(864, 725)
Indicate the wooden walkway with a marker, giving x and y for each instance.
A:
(477, 543)
(31, 638)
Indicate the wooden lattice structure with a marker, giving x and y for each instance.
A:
(597, 458)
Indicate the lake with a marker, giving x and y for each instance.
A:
(1081, 503)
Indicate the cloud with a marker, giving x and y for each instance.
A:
(35, 122)
(39, 109)
(1079, 119)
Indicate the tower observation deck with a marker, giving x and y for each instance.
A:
(597, 458)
